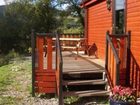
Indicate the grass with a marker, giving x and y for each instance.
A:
(5, 75)
(5, 81)
(15, 79)
(12, 79)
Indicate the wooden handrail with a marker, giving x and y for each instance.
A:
(115, 63)
(113, 49)
(117, 66)
(59, 70)
(33, 61)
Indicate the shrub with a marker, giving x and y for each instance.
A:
(4, 59)
(124, 94)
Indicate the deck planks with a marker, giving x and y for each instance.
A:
(70, 64)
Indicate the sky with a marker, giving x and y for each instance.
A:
(2, 2)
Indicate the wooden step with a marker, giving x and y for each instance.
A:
(83, 71)
(87, 93)
(84, 82)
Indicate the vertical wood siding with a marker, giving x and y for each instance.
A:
(99, 21)
(133, 24)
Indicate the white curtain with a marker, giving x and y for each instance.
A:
(120, 4)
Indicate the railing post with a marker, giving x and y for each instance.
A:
(106, 56)
(59, 68)
(33, 61)
(128, 59)
(49, 53)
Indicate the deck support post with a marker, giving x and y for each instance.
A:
(33, 62)
(49, 53)
(106, 56)
(128, 59)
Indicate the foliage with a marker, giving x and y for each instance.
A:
(4, 59)
(71, 25)
(15, 26)
(70, 100)
(21, 16)
(124, 94)
(73, 7)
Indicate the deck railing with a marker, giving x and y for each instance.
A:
(116, 59)
(134, 75)
(112, 62)
(70, 42)
(59, 70)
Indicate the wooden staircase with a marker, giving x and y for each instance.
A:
(70, 77)
(84, 83)
(78, 77)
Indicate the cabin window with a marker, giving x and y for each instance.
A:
(119, 16)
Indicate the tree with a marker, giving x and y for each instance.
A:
(46, 16)
(73, 7)
(23, 15)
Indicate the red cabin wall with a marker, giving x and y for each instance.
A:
(133, 24)
(99, 20)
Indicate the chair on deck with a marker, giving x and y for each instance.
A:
(91, 50)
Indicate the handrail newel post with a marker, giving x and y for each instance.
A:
(106, 59)
(59, 66)
(128, 58)
(33, 61)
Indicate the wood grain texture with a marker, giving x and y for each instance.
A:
(99, 21)
(133, 24)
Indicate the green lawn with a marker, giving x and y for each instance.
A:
(5, 77)
(13, 77)
(15, 85)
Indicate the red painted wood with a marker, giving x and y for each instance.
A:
(133, 24)
(49, 53)
(45, 90)
(87, 3)
(45, 74)
(45, 84)
(45, 78)
(40, 52)
(98, 22)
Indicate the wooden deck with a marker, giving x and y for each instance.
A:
(71, 65)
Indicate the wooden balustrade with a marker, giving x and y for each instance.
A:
(135, 75)
(112, 62)
(43, 73)
(116, 59)
(69, 42)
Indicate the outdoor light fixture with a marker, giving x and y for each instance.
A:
(108, 3)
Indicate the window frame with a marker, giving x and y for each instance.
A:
(114, 16)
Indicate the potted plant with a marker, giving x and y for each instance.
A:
(122, 96)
